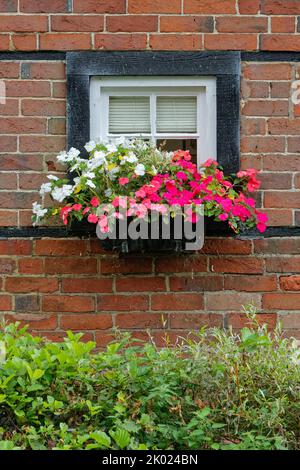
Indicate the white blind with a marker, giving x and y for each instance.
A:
(129, 114)
(176, 114)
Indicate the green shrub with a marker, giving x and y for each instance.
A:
(220, 391)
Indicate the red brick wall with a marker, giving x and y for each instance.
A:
(44, 282)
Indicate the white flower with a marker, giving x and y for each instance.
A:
(59, 194)
(140, 169)
(52, 177)
(38, 210)
(108, 192)
(89, 146)
(131, 158)
(77, 180)
(45, 188)
(73, 153)
(89, 175)
(154, 170)
(121, 140)
(98, 160)
(91, 184)
(62, 157)
(111, 148)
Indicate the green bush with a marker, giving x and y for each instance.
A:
(220, 391)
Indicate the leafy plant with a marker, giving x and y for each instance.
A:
(223, 390)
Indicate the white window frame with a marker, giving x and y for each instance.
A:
(204, 88)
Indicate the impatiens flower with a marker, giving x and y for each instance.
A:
(261, 217)
(210, 162)
(94, 202)
(64, 212)
(123, 181)
(77, 207)
(93, 218)
(86, 210)
(181, 176)
(223, 217)
(261, 227)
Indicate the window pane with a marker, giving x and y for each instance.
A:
(129, 115)
(176, 114)
(179, 144)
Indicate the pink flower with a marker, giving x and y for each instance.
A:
(210, 162)
(261, 217)
(87, 209)
(261, 227)
(93, 218)
(123, 181)
(77, 207)
(181, 176)
(223, 217)
(95, 202)
(120, 201)
(253, 185)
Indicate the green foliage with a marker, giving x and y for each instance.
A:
(220, 391)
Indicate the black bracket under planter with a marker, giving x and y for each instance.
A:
(225, 66)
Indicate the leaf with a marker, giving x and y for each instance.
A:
(101, 438)
(37, 374)
(121, 438)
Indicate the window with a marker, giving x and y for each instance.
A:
(173, 112)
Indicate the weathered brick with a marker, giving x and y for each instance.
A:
(194, 321)
(99, 6)
(280, 42)
(236, 24)
(35, 321)
(57, 126)
(131, 23)
(21, 125)
(281, 162)
(290, 321)
(91, 284)
(251, 89)
(45, 70)
(253, 126)
(31, 284)
(251, 283)
(8, 6)
(120, 41)
(77, 23)
(284, 301)
(279, 217)
(15, 247)
(290, 283)
(5, 302)
(27, 303)
(28, 88)
(68, 303)
(280, 89)
(63, 42)
(267, 71)
(236, 265)
(249, 7)
(171, 42)
(283, 264)
(119, 303)
(238, 321)
(154, 6)
(10, 108)
(86, 322)
(206, 6)
(140, 284)
(177, 302)
(196, 283)
(42, 143)
(23, 23)
(8, 218)
(9, 69)
(20, 162)
(43, 6)
(281, 7)
(226, 246)
(276, 180)
(284, 245)
(30, 265)
(266, 108)
(8, 181)
(176, 264)
(74, 265)
(263, 144)
(222, 301)
(188, 24)
(275, 199)
(139, 320)
(24, 42)
(130, 265)
(50, 247)
(43, 107)
(235, 42)
(7, 265)
(283, 24)
(8, 143)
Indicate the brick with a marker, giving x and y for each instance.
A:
(283, 264)
(235, 42)
(189, 24)
(8, 143)
(86, 322)
(5, 302)
(27, 303)
(253, 126)
(24, 42)
(58, 336)
(68, 303)
(171, 42)
(10, 108)
(154, 6)
(257, 144)
(74, 265)
(196, 283)
(283, 126)
(254, 89)
(275, 180)
(227, 246)
(280, 7)
(42, 144)
(251, 283)
(280, 301)
(280, 89)
(238, 321)
(176, 264)
(281, 162)
(7, 265)
(52, 247)
(103, 338)
(45, 70)
(57, 126)
(30, 88)
(290, 321)
(277, 199)
(8, 218)
(139, 320)
(236, 24)
(119, 303)
(30, 266)
(249, 7)
(283, 24)
(23, 23)
(266, 108)
(43, 6)
(297, 181)
(267, 71)
(131, 23)
(279, 42)
(289, 246)
(222, 301)
(96, 285)
(130, 265)
(206, 6)
(8, 181)
(77, 23)
(194, 321)
(237, 265)
(251, 161)
(21, 125)
(99, 6)
(120, 41)
(21, 162)
(279, 218)
(290, 283)
(293, 144)
(64, 42)
(31, 284)
(15, 247)
(4, 42)
(35, 321)
(177, 302)
(9, 69)
(31, 180)
(20, 200)
(8, 6)
(59, 90)
(25, 218)
(140, 284)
